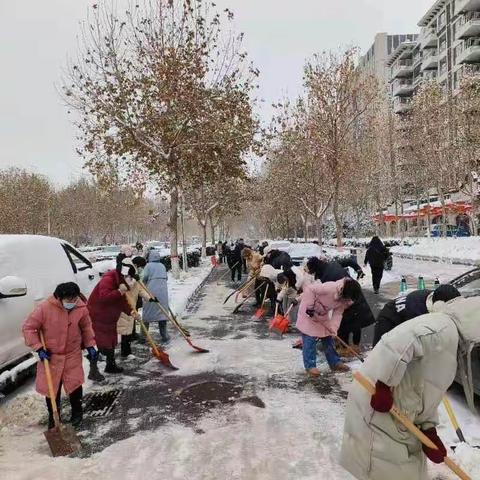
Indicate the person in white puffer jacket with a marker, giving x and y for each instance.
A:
(412, 366)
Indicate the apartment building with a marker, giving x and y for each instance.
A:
(447, 47)
(375, 60)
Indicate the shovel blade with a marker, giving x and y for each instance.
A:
(62, 440)
(164, 358)
(258, 315)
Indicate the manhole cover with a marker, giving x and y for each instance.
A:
(211, 392)
(101, 404)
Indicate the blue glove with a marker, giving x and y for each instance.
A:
(92, 353)
(43, 354)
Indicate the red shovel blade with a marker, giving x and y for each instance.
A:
(279, 325)
(198, 349)
(164, 358)
(258, 315)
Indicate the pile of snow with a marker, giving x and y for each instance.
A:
(23, 411)
(463, 249)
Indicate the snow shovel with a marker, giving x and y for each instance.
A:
(239, 289)
(237, 308)
(456, 426)
(260, 313)
(249, 284)
(409, 425)
(156, 350)
(62, 439)
(279, 324)
(184, 335)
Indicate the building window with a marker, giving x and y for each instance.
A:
(442, 19)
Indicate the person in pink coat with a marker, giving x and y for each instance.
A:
(319, 316)
(64, 320)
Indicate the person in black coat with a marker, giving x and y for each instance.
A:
(356, 317)
(406, 307)
(236, 261)
(278, 259)
(376, 255)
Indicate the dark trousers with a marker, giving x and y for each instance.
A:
(344, 334)
(377, 274)
(238, 269)
(260, 293)
(75, 401)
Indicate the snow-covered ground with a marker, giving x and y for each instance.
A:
(297, 435)
(465, 249)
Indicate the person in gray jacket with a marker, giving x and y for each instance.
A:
(412, 367)
(155, 279)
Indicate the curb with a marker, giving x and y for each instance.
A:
(197, 291)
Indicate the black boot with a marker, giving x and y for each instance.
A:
(94, 373)
(111, 366)
(125, 347)
(77, 408)
(162, 326)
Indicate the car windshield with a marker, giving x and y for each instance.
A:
(305, 250)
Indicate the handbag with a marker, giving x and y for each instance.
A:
(125, 324)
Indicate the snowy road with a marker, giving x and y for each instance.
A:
(243, 411)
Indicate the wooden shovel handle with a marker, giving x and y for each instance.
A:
(51, 392)
(395, 412)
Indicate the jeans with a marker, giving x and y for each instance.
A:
(309, 351)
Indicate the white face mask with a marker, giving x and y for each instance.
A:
(125, 270)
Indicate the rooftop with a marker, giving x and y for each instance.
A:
(433, 11)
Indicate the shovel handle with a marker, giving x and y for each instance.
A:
(453, 419)
(51, 392)
(407, 423)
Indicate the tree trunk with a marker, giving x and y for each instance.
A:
(173, 224)
(203, 224)
(212, 229)
(336, 216)
(319, 225)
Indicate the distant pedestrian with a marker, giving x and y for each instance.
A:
(155, 279)
(236, 261)
(319, 316)
(221, 256)
(65, 323)
(375, 256)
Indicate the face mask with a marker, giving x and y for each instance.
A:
(69, 306)
(125, 270)
(139, 270)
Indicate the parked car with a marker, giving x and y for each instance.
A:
(469, 286)
(301, 252)
(452, 231)
(31, 266)
(108, 253)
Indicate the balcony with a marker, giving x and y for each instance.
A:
(428, 37)
(467, 6)
(402, 68)
(470, 52)
(401, 104)
(470, 25)
(430, 59)
(430, 76)
(402, 86)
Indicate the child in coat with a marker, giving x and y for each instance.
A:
(319, 316)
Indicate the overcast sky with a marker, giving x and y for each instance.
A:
(36, 36)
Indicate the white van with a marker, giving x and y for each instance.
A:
(31, 266)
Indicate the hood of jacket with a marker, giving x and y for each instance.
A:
(465, 313)
(154, 256)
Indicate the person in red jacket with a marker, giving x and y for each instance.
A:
(64, 321)
(105, 304)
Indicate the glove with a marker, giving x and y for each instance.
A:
(43, 354)
(136, 316)
(153, 299)
(436, 456)
(92, 353)
(310, 312)
(360, 275)
(382, 399)
(123, 289)
(294, 302)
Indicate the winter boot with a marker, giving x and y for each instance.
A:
(313, 372)
(77, 408)
(94, 373)
(162, 326)
(112, 366)
(340, 368)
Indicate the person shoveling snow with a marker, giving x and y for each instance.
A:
(413, 366)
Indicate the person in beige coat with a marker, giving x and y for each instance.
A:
(412, 366)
